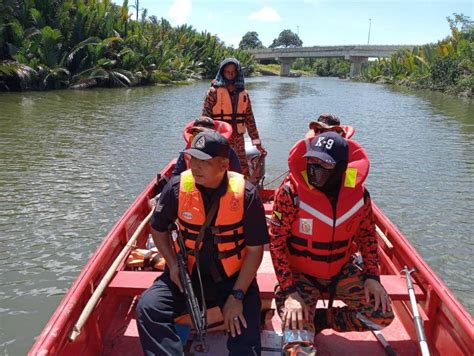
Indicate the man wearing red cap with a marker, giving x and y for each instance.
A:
(322, 215)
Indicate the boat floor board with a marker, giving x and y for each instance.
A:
(123, 340)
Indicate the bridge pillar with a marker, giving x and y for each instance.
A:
(285, 66)
(356, 65)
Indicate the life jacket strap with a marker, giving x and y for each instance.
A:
(214, 230)
(319, 245)
(232, 252)
(231, 238)
(315, 257)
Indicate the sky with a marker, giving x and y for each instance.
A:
(317, 22)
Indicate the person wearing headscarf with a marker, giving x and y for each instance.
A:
(227, 100)
(322, 229)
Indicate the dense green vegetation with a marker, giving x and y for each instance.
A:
(447, 66)
(49, 44)
(52, 44)
(323, 67)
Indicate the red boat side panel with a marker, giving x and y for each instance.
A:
(443, 304)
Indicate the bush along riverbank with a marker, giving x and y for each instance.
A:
(447, 66)
(88, 43)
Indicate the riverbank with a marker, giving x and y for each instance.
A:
(97, 44)
(274, 70)
(463, 89)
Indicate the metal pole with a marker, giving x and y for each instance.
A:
(420, 332)
(137, 6)
(370, 25)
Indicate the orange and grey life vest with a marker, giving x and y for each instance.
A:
(224, 128)
(321, 240)
(227, 232)
(223, 110)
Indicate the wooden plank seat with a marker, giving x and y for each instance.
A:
(135, 282)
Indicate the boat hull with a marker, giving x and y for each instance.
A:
(111, 328)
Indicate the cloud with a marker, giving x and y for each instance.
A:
(210, 16)
(231, 40)
(265, 14)
(179, 11)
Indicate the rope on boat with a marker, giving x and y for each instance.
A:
(92, 302)
(281, 175)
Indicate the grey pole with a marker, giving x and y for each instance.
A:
(370, 24)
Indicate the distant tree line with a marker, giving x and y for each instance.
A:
(286, 39)
(446, 66)
(86, 43)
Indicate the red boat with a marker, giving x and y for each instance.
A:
(108, 326)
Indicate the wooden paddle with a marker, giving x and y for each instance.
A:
(76, 330)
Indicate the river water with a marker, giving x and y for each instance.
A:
(72, 161)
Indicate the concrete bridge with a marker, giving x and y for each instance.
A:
(357, 54)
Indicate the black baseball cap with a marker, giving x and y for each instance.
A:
(207, 145)
(329, 147)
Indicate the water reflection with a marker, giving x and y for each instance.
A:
(459, 109)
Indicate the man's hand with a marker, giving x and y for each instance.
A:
(233, 315)
(381, 298)
(295, 312)
(262, 150)
(174, 275)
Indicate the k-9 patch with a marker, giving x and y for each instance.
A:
(306, 226)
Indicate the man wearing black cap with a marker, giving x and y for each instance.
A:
(322, 215)
(229, 255)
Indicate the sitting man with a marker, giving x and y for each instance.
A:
(199, 125)
(322, 215)
(329, 122)
(230, 253)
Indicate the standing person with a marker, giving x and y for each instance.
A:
(227, 100)
(322, 215)
(230, 253)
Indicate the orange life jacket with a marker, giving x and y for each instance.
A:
(321, 240)
(222, 127)
(223, 109)
(227, 232)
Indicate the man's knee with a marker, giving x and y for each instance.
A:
(376, 320)
(150, 309)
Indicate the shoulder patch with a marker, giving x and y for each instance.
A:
(276, 218)
(277, 214)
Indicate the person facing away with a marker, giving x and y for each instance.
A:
(230, 253)
(329, 122)
(205, 124)
(322, 215)
(227, 100)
